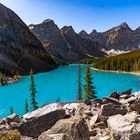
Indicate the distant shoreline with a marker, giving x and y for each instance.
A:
(133, 73)
(11, 81)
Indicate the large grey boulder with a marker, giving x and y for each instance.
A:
(114, 95)
(137, 94)
(107, 100)
(108, 110)
(73, 128)
(41, 120)
(127, 92)
(128, 101)
(73, 109)
(27, 138)
(135, 106)
(13, 118)
(125, 127)
(46, 136)
(44, 110)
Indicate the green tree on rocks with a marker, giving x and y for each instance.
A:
(58, 100)
(34, 104)
(26, 106)
(89, 89)
(11, 110)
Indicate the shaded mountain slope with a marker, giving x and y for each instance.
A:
(65, 44)
(121, 38)
(19, 48)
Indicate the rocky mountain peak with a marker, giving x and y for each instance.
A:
(122, 27)
(93, 32)
(68, 29)
(83, 32)
(138, 29)
(3, 10)
(48, 21)
(118, 29)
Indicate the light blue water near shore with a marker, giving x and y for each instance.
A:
(61, 82)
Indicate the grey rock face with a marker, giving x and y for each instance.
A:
(46, 136)
(43, 111)
(65, 44)
(114, 95)
(125, 127)
(88, 47)
(73, 129)
(19, 48)
(13, 118)
(35, 126)
(121, 37)
(127, 92)
(110, 100)
(135, 106)
(27, 138)
(108, 110)
(52, 38)
(73, 109)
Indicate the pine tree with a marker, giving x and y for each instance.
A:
(17, 75)
(33, 91)
(5, 79)
(79, 94)
(11, 110)
(26, 106)
(89, 89)
(58, 100)
(1, 79)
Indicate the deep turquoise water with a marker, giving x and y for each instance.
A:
(62, 83)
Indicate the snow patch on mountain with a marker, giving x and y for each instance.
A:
(113, 52)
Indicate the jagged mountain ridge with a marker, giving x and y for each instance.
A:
(65, 44)
(19, 48)
(69, 46)
(121, 38)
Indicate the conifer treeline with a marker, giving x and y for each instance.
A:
(4, 77)
(124, 62)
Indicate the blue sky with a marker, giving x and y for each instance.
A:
(81, 14)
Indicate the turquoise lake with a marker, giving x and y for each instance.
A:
(61, 82)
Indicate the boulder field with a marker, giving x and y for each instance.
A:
(115, 117)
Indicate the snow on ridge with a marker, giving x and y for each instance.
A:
(31, 27)
(113, 52)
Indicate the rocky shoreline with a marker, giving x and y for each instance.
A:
(133, 73)
(10, 80)
(115, 117)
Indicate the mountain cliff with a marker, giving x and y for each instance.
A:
(65, 44)
(19, 48)
(121, 38)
